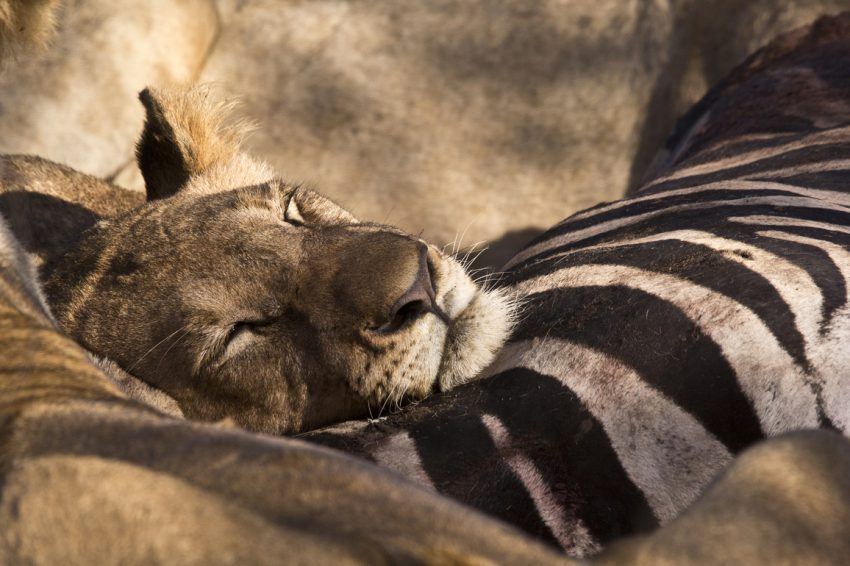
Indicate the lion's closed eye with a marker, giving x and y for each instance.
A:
(242, 334)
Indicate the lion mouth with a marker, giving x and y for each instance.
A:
(477, 332)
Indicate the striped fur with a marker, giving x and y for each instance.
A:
(666, 332)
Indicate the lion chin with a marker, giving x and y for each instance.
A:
(481, 321)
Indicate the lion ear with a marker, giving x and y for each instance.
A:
(186, 134)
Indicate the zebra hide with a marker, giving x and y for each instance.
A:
(663, 333)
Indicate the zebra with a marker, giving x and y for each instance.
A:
(663, 333)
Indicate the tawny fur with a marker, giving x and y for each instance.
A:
(173, 289)
(72, 101)
(25, 25)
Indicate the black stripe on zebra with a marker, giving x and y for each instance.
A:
(739, 147)
(703, 266)
(577, 457)
(792, 158)
(814, 260)
(837, 180)
(454, 450)
(711, 220)
(651, 336)
(660, 205)
(567, 444)
(345, 443)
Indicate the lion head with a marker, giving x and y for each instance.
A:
(243, 296)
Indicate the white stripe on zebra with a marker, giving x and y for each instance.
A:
(794, 284)
(778, 389)
(803, 168)
(603, 227)
(830, 356)
(837, 135)
(665, 451)
(399, 453)
(733, 185)
(571, 533)
(768, 220)
(838, 254)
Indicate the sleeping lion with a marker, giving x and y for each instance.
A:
(239, 295)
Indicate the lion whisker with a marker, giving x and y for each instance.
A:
(463, 234)
(468, 261)
(470, 249)
(389, 396)
(154, 347)
(174, 343)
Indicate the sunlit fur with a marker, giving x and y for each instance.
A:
(241, 295)
(25, 25)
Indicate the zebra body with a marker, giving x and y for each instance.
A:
(666, 332)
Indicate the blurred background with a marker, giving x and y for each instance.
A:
(490, 119)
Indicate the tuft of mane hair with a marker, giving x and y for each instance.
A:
(25, 25)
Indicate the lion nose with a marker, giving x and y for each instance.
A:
(418, 300)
